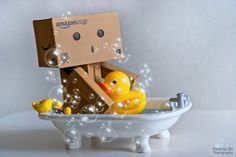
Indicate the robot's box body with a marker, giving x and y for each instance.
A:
(84, 39)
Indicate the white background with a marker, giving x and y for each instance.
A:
(190, 46)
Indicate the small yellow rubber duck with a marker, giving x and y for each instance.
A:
(67, 110)
(117, 86)
(46, 105)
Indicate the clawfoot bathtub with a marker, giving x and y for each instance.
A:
(142, 126)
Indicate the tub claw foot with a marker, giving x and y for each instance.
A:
(71, 146)
(163, 135)
(75, 144)
(141, 144)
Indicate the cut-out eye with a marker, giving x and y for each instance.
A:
(113, 82)
(100, 33)
(76, 36)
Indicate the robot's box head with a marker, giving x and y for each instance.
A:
(77, 40)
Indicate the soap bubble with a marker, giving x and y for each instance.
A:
(97, 66)
(125, 58)
(67, 97)
(74, 103)
(85, 119)
(50, 76)
(51, 57)
(85, 74)
(75, 80)
(91, 110)
(148, 81)
(58, 45)
(75, 100)
(144, 70)
(119, 110)
(142, 132)
(118, 39)
(55, 32)
(116, 44)
(156, 111)
(76, 91)
(71, 135)
(64, 82)
(65, 58)
(101, 99)
(82, 123)
(116, 47)
(100, 106)
(91, 96)
(145, 83)
(106, 134)
(141, 84)
(128, 125)
(108, 123)
(106, 46)
(71, 123)
(56, 93)
(77, 97)
(89, 135)
(143, 87)
(96, 50)
(66, 15)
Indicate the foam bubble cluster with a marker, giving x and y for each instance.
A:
(145, 73)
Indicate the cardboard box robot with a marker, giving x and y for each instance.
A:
(79, 47)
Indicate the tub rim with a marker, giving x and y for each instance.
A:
(140, 117)
(144, 116)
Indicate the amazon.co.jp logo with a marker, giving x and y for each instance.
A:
(67, 24)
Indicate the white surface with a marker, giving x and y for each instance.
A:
(24, 134)
(189, 45)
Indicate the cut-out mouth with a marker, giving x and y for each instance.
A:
(92, 49)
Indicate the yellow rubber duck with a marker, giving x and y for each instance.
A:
(46, 105)
(117, 86)
(67, 110)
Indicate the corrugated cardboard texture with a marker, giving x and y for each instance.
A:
(44, 37)
(86, 81)
(90, 48)
(87, 86)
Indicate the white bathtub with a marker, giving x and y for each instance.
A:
(142, 126)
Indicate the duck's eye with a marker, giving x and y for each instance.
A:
(100, 33)
(113, 82)
(76, 36)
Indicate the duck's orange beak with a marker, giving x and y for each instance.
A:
(105, 88)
